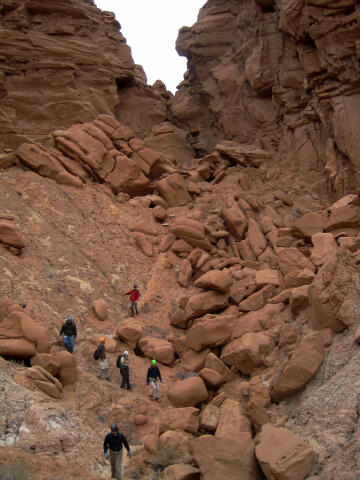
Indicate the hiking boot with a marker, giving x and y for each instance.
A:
(108, 379)
(157, 399)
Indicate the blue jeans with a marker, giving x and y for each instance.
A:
(69, 343)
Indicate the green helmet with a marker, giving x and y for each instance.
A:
(153, 362)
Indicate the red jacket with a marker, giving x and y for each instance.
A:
(134, 295)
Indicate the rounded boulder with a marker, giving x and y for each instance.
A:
(100, 309)
(188, 393)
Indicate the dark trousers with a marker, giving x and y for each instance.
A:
(124, 371)
(116, 461)
(133, 308)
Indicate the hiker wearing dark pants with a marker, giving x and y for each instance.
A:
(124, 371)
(69, 331)
(134, 297)
(152, 375)
(114, 441)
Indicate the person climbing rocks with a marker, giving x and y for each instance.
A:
(114, 442)
(100, 355)
(122, 362)
(153, 374)
(134, 297)
(69, 331)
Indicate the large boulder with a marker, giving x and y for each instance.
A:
(158, 349)
(233, 420)
(68, 374)
(223, 458)
(301, 367)
(333, 294)
(188, 393)
(282, 455)
(215, 280)
(144, 243)
(247, 155)
(185, 273)
(209, 418)
(186, 419)
(267, 277)
(257, 300)
(324, 246)
(347, 216)
(130, 332)
(48, 362)
(247, 352)
(297, 278)
(256, 238)
(263, 319)
(205, 302)
(90, 146)
(235, 221)
(49, 164)
(11, 235)
(100, 308)
(209, 331)
(173, 189)
(18, 348)
(291, 258)
(194, 361)
(191, 231)
(211, 377)
(213, 362)
(43, 380)
(20, 336)
(309, 224)
(299, 298)
(171, 141)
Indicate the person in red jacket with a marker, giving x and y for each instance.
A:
(134, 297)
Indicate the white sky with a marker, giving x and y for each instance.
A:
(151, 29)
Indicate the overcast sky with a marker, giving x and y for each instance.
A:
(151, 29)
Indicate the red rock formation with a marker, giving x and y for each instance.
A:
(284, 76)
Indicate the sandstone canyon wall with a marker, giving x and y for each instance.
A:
(62, 63)
(283, 74)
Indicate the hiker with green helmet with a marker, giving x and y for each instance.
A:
(152, 375)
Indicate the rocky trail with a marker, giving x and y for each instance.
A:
(233, 205)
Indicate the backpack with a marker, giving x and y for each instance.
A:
(96, 354)
(118, 361)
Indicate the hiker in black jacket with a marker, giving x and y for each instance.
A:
(153, 374)
(114, 442)
(69, 331)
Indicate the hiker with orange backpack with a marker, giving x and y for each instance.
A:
(100, 355)
(134, 297)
